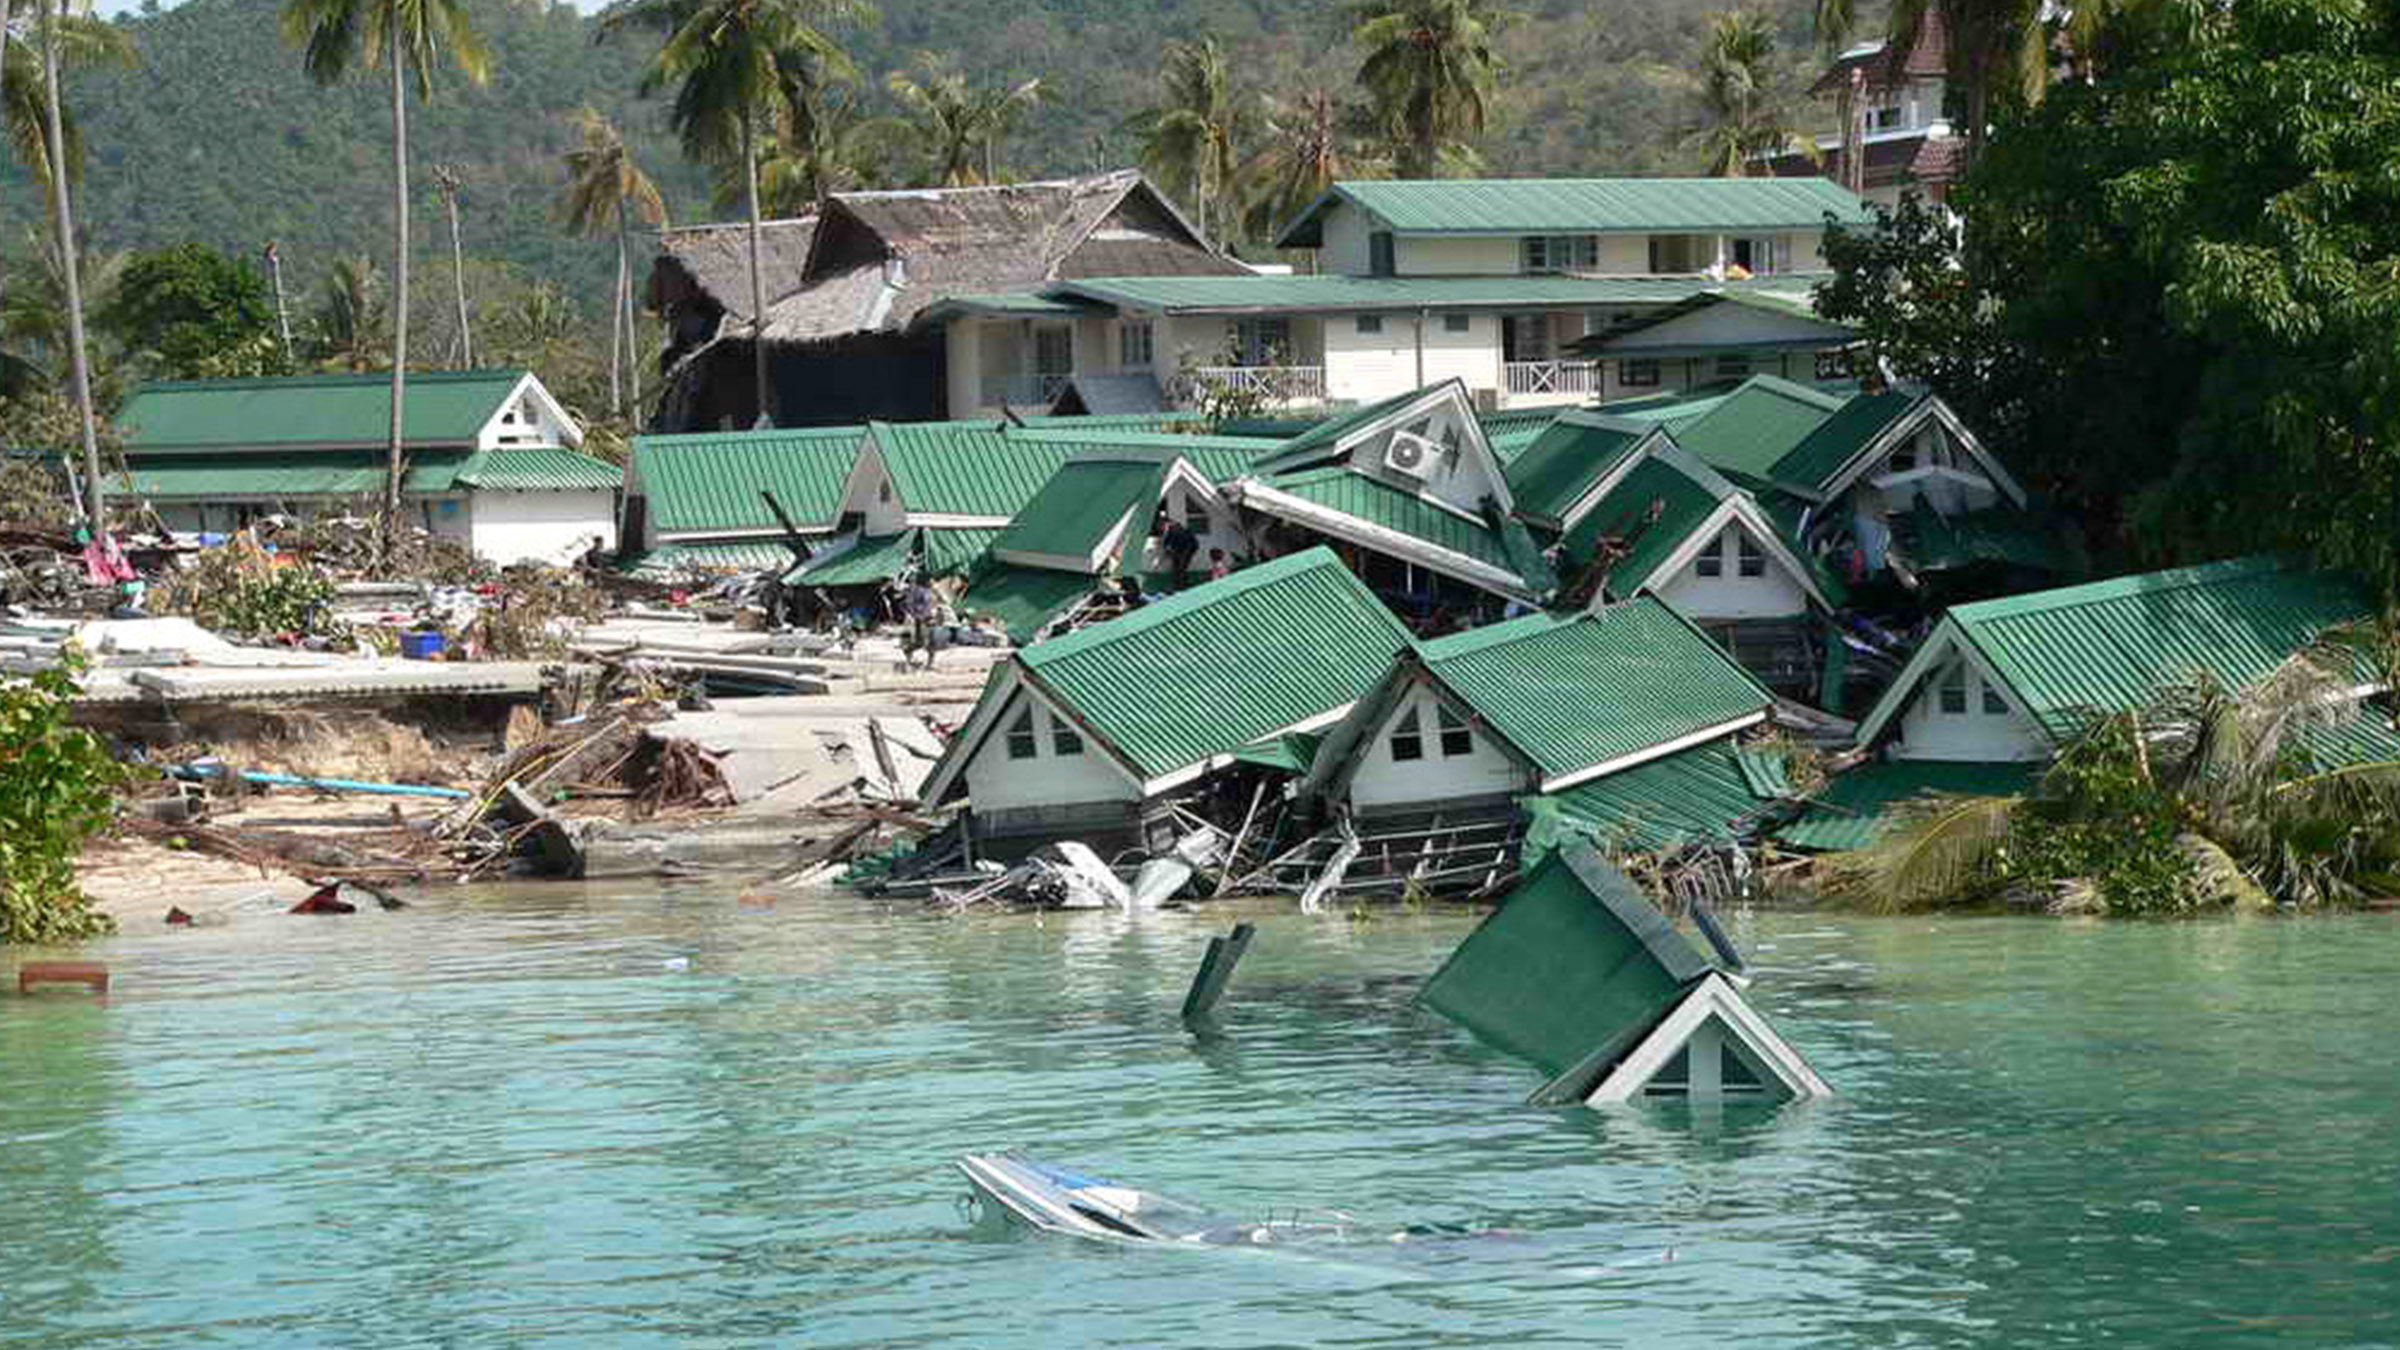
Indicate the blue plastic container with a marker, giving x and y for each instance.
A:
(421, 646)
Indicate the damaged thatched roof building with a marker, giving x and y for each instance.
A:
(847, 289)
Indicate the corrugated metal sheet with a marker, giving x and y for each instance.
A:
(1594, 205)
(1652, 511)
(1291, 752)
(865, 563)
(677, 560)
(1574, 692)
(2367, 739)
(954, 553)
(710, 481)
(1022, 599)
(1359, 496)
(1564, 460)
(539, 470)
(2107, 645)
(1221, 459)
(2001, 534)
(1210, 670)
(1336, 294)
(1082, 502)
(444, 408)
(967, 468)
(323, 473)
(1851, 810)
(1756, 425)
(1692, 796)
(1821, 454)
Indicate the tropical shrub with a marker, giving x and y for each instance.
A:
(56, 786)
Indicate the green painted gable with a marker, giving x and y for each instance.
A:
(708, 482)
(1207, 671)
(1755, 426)
(444, 408)
(1571, 693)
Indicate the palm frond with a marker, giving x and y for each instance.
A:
(1932, 849)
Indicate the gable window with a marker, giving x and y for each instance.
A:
(1711, 562)
(1733, 366)
(883, 491)
(1063, 740)
(1993, 704)
(1458, 323)
(1753, 558)
(1561, 252)
(1370, 323)
(1637, 374)
(1457, 739)
(1136, 345)
(1954, 691)
(1379, 254)
(1022, 742)
(1408, 738)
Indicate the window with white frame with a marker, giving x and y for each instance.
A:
(1753, 558)
(1952, 696)
(1561, 252)
(1370, 323)
(1408, 737)
(1063, 740)
(1023, 742)
(1457, 738)
(1711, 562)
(1137, 345)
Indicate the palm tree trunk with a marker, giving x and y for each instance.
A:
(633, 346)
(7, 12)
(758, 280)
(62, 213)
(458, 282)
(616, 323)
(397, 461)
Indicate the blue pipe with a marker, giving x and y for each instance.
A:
(196, 772)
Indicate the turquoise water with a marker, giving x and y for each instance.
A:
(557, 1118)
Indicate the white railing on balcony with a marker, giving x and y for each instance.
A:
(1281, 384)
(1018, 391)
(1563, 378)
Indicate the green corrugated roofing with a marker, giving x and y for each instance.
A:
(1651, 511)
(1220, 459)
(1082, 503)
(1675, 409)
(319, 473)
(1575, 965)
(865, 563)
(1819, 455)
(2368, 738)
(955, 552)
(707, 482)
(1691, 796)
(967, 468)
(1210, 670)
(1023, 599)
(672, 560)
(1999, 534)
(539, 470)
(1324, 434)
(1170, 421)
(1575, 451)
(445, 408)
(1756, 425)
(2108, 645)
(1291, 752)
(1339, 294)
(1574, 692)
(1850, 811)
(1508, 445)
(1586, 206)
(1011, 304)
(1361, 497)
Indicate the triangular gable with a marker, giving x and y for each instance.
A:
(1570, 463)
(1739, 511)
(1713, 1046)
(530, 396)
(1866, 459)
(1428, 443)
(1006, 692)
(1718, 322)
(1083, 516)
(1139, 217)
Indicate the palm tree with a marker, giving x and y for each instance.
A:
(1430, 69)
(1735, 88)
(345, 330)
(62, 215)
(33, 311)
(408, 38)
(822, 144)
(1307, 142)
(605, 188)
(959, 125)
(727, 61)
(1989, 45)
(1193, 140)
(24, 108)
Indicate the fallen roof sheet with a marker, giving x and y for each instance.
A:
(1699, 795)
(1853, 809)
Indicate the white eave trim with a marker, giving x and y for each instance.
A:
(1731, 510)
(1714, 997)
(1636, 759)
(1342, 524)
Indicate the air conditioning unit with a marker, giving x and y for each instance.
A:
(1412, 454)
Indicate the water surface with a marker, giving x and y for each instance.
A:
(584, 1118)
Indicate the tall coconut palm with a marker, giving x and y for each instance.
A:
(83, 41)
(823, 143)
(726, 61)
(1430, 69)
(62, 215)
(346, 328)
(1306, 143)
(1746, 116)
(33, 312)
(605, 190)
(1193, 140)
(408, 38)
(959, 125)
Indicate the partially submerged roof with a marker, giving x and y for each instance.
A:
(307, 412)
(860, 560)
(709, 482)
(1708, 793)
(2106, 646)
(1023, 600)
(1853, 809)
(1582, 206)
(1340, 293)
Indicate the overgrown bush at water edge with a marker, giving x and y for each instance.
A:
(57, 788)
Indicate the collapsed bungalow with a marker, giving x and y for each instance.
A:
(491, 458)
(697, 503)
(1089, 735)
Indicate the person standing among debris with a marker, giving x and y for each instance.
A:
(1181, 544)
(916, 606)
(1219, 567)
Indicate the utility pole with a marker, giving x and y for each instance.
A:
(283, 316)
(446, 178)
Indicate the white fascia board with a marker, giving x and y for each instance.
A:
(1945, 639)
(1049, 562)
(1930, 408)
(969, 741)
(1598, 492)
(1770, 540)
(1107, 546)
(1178, 777)
(1714, 997)
(1636, 759)
(533, 386)
(1701, 535)
(1345, 526)
(1974, 445)
(770, 533)
(934, 520)
(865, 467)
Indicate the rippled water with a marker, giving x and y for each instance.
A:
(557, 1118)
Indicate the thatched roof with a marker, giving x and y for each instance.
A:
(872, 261)
(717, 258)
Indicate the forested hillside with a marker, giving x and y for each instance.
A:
(219, 137)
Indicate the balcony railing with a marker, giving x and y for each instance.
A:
(1018, 391)
(1562, 378)
(1280, 384)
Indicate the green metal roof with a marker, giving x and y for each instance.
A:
(1576, 450)
(1377, 503)
(1585, 206)
(1812, 463)
(1291, 752)
(275, 476)
(1338, 294)
(1170, 421)
(1082, 503)
(708, 482)
(1573, 692)
(1575, 966)
(955, 552)
(1212, 669)
(1023, 599)
(866, 562)
(673, 560)
(1324, 434)
(2368, 738)
(967, 468)
(1850, 811)
(543, 469)
(1997, 534)
(1673, 409)
(445, 408)
(1760, 422)
(1652, 511)
(1806, 331)
(2107, 645)
(1220, 459)
(1692, 796)
(1006, 305)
